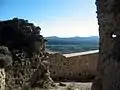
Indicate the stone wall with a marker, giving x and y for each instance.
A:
(79, 67)
(2, 79)
(22, 52)
(108, 14)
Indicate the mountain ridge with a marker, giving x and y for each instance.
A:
(72, 37)
(72, 44)
(71, 40)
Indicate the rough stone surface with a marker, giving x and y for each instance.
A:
(108, 13)
(27, 48)
(74, 68)
(5, 61)
(2, 79)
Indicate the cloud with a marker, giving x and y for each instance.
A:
(69, 27)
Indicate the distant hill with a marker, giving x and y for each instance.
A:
(72, 44)
(72, 40)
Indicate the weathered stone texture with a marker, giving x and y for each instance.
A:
(5, 61)
(2, 79)
(108, 13)
(27, 48)
(74, 68)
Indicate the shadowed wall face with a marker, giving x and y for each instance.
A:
(108, 14)
(26, 52)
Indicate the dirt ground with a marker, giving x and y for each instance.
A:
(70, 86)
(73, 86)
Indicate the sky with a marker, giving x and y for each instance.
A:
(62, 18)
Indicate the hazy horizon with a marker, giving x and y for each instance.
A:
(71, 36)
(62, 18)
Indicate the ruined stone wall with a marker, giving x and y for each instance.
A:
(2, 79)
(5, 61)
(108, 14)
(27, 49)
(74, 68)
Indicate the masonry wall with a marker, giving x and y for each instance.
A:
(108, 14)
(2, 79)
(77, 68)
(22, 53)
